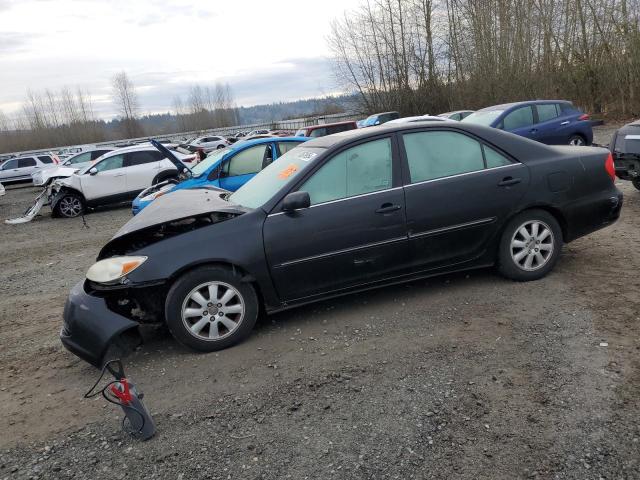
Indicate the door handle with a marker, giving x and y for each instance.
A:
(388, 208)
(565, 123)
(534, 130)
(508, 181)
(119, 175)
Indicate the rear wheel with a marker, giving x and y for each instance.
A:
(577, 140)
(71, 205)
(210, 308)
(220, 147)
(530, 246)
(636, 182)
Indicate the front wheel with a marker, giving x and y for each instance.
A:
(70, 205)
(210, 308)
(220, 147)
(530, 246)
(636, 182)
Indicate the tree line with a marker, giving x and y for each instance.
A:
(67, 116)
(430, 56)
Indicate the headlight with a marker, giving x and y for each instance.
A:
(111, 269)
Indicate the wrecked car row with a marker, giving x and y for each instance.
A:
(338, 214)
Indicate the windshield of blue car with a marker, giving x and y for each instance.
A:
(210, 160)
(486, 117)
(257, 191)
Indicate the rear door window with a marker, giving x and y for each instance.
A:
(438, 154)
(284, 147)
(519, 118)
(141, 158)
(546, 112)
(26, 162)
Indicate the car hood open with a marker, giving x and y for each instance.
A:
(181, 204)
(182, 168)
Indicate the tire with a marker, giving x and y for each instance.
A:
(71, 205)
(207, 326)
(220, 147)
(636, 182)
(164, 177)
(512, 263)
(577, 140)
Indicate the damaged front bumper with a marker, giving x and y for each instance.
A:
(90, 328)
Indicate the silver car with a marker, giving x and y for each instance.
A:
(21, 169)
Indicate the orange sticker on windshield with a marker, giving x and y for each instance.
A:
(287, 172)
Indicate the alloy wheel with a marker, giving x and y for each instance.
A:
(70, 206)
(532, 245)
(576, 141)
(213, 311)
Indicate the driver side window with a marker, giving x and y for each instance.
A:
(110, 163)
(358, 170)
(247, 161)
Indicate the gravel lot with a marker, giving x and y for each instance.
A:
(462, 376)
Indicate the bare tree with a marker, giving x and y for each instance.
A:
(126, 100)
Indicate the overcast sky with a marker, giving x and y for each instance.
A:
(268, 50)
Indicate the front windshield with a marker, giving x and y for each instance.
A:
(485, 118)
(371, 120)
(209, 160)
(257, 191)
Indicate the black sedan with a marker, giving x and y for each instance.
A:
(339, 214)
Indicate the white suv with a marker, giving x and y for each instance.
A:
(116, 177)
(68, 167)
(209, 143)
(20, 169)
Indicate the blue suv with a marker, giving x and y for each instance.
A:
(554, 122)
(227, 168)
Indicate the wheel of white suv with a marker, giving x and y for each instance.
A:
(210, 308)
(636, 183)
(530, 246)
(71, 205)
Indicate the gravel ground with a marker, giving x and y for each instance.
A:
(462, 376)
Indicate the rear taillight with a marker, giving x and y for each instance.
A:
(584, 116)
(610, 168)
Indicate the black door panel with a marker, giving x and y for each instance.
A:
(337, 244)
(450, 220)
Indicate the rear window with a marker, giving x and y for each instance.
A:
(45, 159)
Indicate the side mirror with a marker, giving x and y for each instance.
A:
(93, 171)
(296, 201)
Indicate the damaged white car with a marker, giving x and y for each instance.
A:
(116, 177)
(68, 167)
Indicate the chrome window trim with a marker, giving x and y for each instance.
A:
(434, 231)
(461, 174)
(341, 199)
(339, 252)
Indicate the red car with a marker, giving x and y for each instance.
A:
(326, 129)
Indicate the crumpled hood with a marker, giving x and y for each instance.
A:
(181, 204)
(43, 176)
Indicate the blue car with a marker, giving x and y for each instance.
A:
(554, 122)
(227, 168)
